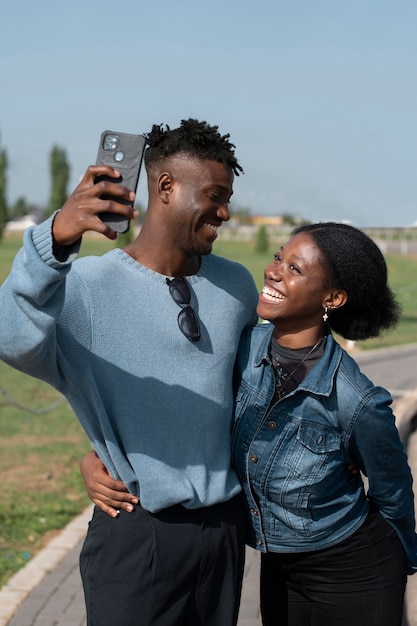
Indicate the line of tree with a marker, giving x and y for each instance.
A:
(60, 173)
(3, 189)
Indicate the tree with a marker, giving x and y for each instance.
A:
(60, 173)
(125, 238)
(20, 208)
(262, 240)
(3, 188)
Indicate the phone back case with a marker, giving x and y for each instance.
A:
(124, 152)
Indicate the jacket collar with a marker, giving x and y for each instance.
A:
(319, 379)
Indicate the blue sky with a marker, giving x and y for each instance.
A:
(319, 96)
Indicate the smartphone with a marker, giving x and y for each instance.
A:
(124, 152)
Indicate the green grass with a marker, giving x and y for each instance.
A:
(403, 280)
(42, 489)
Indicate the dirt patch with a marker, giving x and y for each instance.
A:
(33, 474)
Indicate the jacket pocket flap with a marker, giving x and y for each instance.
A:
(317, 439)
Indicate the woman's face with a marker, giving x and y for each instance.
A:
(294, 287)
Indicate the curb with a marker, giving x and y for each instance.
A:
(19, 586)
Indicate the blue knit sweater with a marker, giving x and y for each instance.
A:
(156, 407)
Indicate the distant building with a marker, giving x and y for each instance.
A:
(20, 224)
(266, 220)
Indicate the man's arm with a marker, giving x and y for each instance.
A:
(108, 494)
(33, 295)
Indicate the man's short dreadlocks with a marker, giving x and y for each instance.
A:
(194, 138)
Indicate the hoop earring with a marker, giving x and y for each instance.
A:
(325, 316)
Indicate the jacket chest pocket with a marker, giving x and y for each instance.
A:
(310, 452)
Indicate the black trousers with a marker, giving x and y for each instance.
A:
(359, 582)
(178, 567)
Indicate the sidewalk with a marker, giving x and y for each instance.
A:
(48, 591)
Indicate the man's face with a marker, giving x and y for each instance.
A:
(199, 203)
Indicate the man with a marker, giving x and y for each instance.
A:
(142, 343)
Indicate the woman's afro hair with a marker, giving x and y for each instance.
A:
(355, 264)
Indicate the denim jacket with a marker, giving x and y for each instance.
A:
(292, 458)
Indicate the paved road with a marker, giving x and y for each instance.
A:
(394, 368)
(47, 592)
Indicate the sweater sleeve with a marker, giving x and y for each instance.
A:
(31, 300)
(378, 450)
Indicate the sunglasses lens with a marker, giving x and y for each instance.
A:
(180, 291)
(188, 323)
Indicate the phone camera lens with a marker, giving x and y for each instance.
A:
(111, 142)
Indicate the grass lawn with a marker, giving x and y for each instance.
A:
(41, 444)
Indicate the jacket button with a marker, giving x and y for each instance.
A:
(253, 458)
(254, 512)
(259, 542)
(272, 425)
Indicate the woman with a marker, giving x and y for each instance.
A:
(304, 412)
(331, 554)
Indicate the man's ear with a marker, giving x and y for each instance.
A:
(335, 299)
(165, 185)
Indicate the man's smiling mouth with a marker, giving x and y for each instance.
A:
(211, 227)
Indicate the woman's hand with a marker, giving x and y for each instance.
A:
(108, 494)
